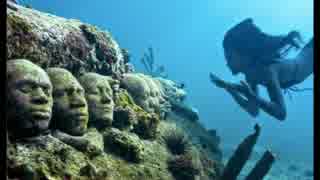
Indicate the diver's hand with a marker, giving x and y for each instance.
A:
(218, 82)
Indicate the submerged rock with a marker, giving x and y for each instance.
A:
(144, 124)
(172, 90)
(131, 149)
(47, 158)
(185, 110)
(124, 145)
(52, 41)
(183, 167)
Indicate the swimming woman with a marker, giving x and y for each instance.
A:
(262, 59)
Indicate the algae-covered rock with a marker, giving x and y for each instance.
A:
(123, 145)
(185, 152)
(124, 118)
(176, 140)
(183, 167)
(172, 90)
(185, 110)
(48, 158)
(135, 150)
(146, 124)
(199, 136)
(52, 41)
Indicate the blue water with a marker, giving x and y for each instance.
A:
(187, 38)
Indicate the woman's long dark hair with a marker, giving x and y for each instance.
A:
(246, 38)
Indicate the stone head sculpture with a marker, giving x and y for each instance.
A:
(144, 90)
(138, 89)
(99, 95)
(70, 109)
(29, 98)
(155, 99)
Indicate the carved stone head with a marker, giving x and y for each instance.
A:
(29, 98)
(99, 95)
(138, 89)
(70, 109)
(144, 90)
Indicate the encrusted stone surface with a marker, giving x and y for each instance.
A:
(52, 41)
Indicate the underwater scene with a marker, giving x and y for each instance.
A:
(159, 90)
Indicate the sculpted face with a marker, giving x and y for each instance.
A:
(144, 90)
(29, 98)
(70, 110)
(138, 89)
(154, 96)
(99, 96)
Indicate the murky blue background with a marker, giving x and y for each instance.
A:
(187, 38)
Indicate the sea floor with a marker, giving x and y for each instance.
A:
(282, 169)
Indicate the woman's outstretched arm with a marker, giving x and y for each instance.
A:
(246, 104)
(237, 91)
(252, 101)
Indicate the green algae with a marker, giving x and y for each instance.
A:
(147, 124)
(17, 23)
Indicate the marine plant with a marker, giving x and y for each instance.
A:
(150, 66)
(183, 167)
(176, 141)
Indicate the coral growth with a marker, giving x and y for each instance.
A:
(123, 145)
(24, 43)
(183, 167)
(185, 110)
(210, 143)
(134, 149)
(146, 124)
(51, 41)
(172, 90)
(128, 67)
(47, 158)
(211, 167)
(124, 118)
(106, 55)
(176, 141)
(150, 66)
